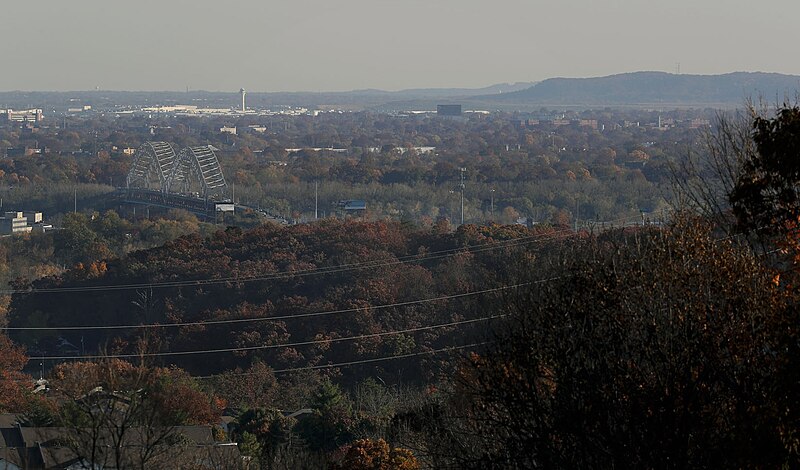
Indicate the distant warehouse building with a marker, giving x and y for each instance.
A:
(451, 110)
(352, 205)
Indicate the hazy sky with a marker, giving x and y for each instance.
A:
(325, 45)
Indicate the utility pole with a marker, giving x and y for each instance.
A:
(491, 207)
(316, 200)
(462, 195)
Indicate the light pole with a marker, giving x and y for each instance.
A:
(462, 195)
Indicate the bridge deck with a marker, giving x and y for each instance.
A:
(206, 208)
(195, 205)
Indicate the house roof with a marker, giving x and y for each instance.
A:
(13, 456)
(10, 437)
(8, 420)
(49, 447)
(200, 435)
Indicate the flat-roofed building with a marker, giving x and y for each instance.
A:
(448, 110)
(14, 222)
(23, 115)
(33, 217)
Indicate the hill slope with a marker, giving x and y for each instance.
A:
(657, 88)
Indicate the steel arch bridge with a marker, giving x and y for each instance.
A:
(151, 166)
(193, 171)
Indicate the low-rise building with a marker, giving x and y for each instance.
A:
(33, 217)
(23, 115)
(452, 110)
(18, 152)
(31, 447)
(14, 222)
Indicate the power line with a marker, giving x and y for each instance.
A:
(206, 323)
(564, 233)
(269, 346)
(281, 317)
(300, 273)
(274, 318)
(350, 363)
(306, 343)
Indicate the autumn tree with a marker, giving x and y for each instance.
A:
(256, 387)
(125, 415)
(15, 386)
(658, 348)
(367, 454)
(766, 196)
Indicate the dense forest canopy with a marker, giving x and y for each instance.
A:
(313, 283)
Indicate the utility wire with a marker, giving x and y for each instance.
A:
(294, 274)
(272, 318)
(269, 346)
(565, 233)
(339, 364)
(299, 273)
(349, 363)
(216, 322)
(281, 317)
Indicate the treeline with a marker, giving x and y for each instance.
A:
(84, 239)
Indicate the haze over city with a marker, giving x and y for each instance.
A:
(313, 45)
(399, 234)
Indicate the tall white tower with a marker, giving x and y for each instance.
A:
(242, 92)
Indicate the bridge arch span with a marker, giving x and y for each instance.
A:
(152, 166)
(194, 171)
(197, 169)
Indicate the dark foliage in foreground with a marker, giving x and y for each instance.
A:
(657, 349)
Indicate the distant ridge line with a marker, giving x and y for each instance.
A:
(657, 88)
